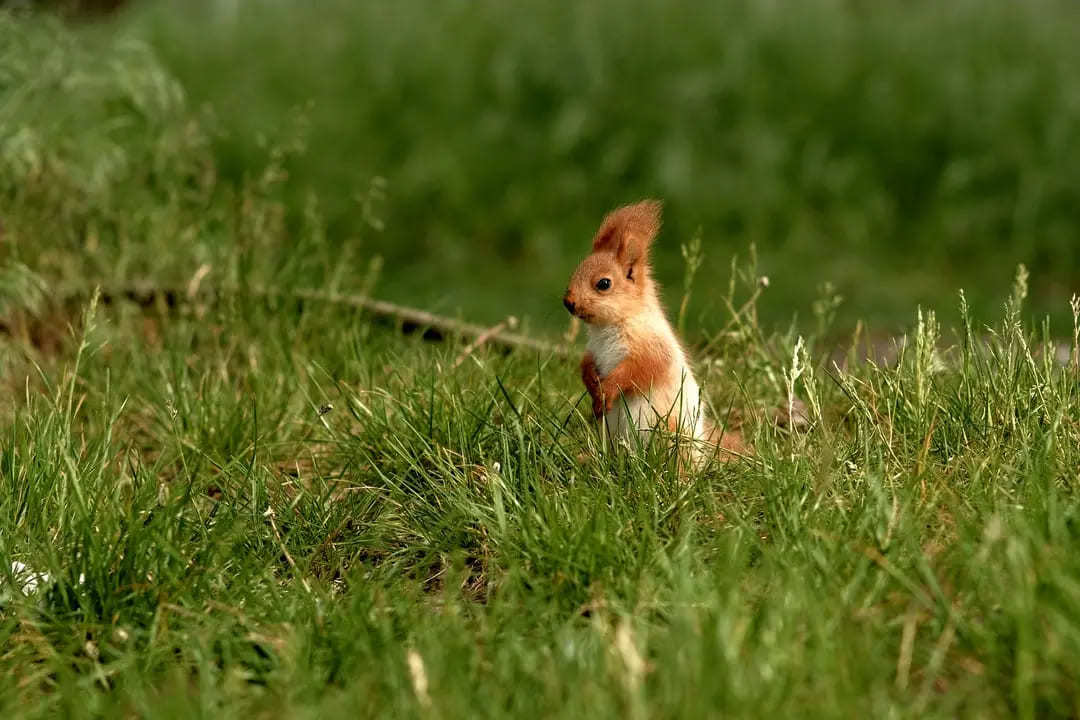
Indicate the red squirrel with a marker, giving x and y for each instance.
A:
(633, 353)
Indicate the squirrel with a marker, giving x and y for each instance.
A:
(633, 353)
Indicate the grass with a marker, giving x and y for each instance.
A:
(270, 508)
(239, 552)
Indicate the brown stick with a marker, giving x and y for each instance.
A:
(510, 322)
(410, 318)
(422, 318)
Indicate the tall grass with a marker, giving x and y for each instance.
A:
(248, 506)
(277, 510)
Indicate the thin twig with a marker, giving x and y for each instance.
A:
(410, 318)
(508, 323)
(420, 318)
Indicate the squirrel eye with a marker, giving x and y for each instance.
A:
(603, 284)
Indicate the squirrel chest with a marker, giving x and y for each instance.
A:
(607, 347)
(672, 398)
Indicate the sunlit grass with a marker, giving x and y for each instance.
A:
(271, 510)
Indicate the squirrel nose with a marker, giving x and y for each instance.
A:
(568, 304)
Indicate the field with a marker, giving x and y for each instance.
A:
(220, 499)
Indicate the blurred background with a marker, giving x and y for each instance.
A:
(898, 151)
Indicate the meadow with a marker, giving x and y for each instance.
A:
(219, 501)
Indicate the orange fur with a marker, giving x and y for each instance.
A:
(728, 439)
(591, 378)
(620, 254)
(633, 351)
(647, 365)
(629, 230)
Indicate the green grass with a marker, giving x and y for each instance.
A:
(270, 508)
(242, 553)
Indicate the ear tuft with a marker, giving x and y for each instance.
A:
(629, 231)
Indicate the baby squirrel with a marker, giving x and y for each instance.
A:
(633, 352)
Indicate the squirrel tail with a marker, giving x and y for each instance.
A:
(727, 442)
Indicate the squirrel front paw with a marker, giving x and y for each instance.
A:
(603, 400)
(599, 406)
(589, 375)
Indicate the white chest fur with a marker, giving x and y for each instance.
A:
(607, 347)
(675, 396)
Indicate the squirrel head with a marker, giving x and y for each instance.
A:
(614, 282)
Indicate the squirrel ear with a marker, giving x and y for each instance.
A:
(629, 231)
